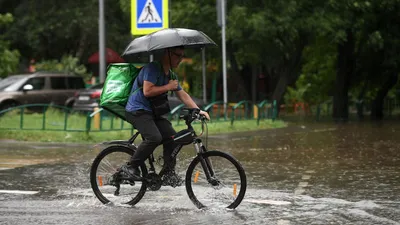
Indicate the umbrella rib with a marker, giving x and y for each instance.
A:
(181, 37)
(148, 44)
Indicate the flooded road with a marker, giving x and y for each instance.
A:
(304, 174)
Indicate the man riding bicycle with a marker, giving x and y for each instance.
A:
(146, 107)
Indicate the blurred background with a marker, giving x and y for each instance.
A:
(310, 56)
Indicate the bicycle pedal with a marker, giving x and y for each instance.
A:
(130, 179)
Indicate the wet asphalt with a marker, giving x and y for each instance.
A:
(307, 173)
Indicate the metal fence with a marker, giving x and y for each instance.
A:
(324, 111)
(60, 118)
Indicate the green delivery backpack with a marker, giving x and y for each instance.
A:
(117, 87)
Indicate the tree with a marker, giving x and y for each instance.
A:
(362, 31)
(67, 64)
(268, 34)
(318, 72)
(385, 44)
(50, 30)
(8, 58)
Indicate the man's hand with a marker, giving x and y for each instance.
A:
(172, 85)
(204, 113)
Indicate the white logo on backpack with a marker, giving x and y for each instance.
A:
(114, 86)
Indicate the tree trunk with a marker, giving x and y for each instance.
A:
(280, 88)
(290, 73)
(254, 76)
(82, 46)
(345, 67)
(244, 84)
(240, 75)
(270, 81)
(377, 103)
(360, 102)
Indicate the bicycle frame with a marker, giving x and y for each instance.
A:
(202, 163)
(196, 141)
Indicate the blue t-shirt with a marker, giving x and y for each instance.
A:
(151, 72)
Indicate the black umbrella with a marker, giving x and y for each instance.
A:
(168, 38)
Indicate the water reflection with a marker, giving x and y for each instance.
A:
(344, 159)
(321, 173)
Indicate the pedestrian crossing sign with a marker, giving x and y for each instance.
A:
(148, 16)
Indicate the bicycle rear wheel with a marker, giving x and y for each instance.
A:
(107, 181)
(225, 188)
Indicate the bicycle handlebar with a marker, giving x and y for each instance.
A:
(192, 114)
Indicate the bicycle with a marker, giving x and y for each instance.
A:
(212, 170)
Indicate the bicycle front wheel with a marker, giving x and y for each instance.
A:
(225, 186)
(108, 182)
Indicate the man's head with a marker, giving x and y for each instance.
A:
(174, 56)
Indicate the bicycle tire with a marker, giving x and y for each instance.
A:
(94, 176)
(190, 174)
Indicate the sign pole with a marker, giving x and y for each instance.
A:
(203, 58)
(224, 57)
(102, 52)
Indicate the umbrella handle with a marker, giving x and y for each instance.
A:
(173, 75)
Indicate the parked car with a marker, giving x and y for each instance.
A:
(88, 99)
(39, 88)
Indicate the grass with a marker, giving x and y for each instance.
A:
(61, 127)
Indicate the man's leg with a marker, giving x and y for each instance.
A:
(169, 176)
(144, 122)
(166, 130)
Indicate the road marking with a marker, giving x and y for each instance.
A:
(18, 192)
(298, 191)
(283, 222)
(303, 184)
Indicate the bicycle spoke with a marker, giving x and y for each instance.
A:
(107, 182)
(223, 189)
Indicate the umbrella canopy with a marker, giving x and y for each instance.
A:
(168, 38)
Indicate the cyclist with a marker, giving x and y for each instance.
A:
(146, 107)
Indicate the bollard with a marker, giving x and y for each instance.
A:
(96, 119)
(255, 111)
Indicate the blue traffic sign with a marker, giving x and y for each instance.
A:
(148, 16)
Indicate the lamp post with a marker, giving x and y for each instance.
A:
(102, 49)
(221, 8)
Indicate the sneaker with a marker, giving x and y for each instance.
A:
(172, 179)
(131, 173)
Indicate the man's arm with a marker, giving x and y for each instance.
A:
(151, 75)
(188, 101)
(150, 89)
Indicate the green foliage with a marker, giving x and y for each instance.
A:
(293, 95)
(6, 19)
(67, 64)
(319, 71)
(9, 59)
(315, 84)
(50, 30)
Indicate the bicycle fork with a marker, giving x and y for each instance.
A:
(205, 162)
